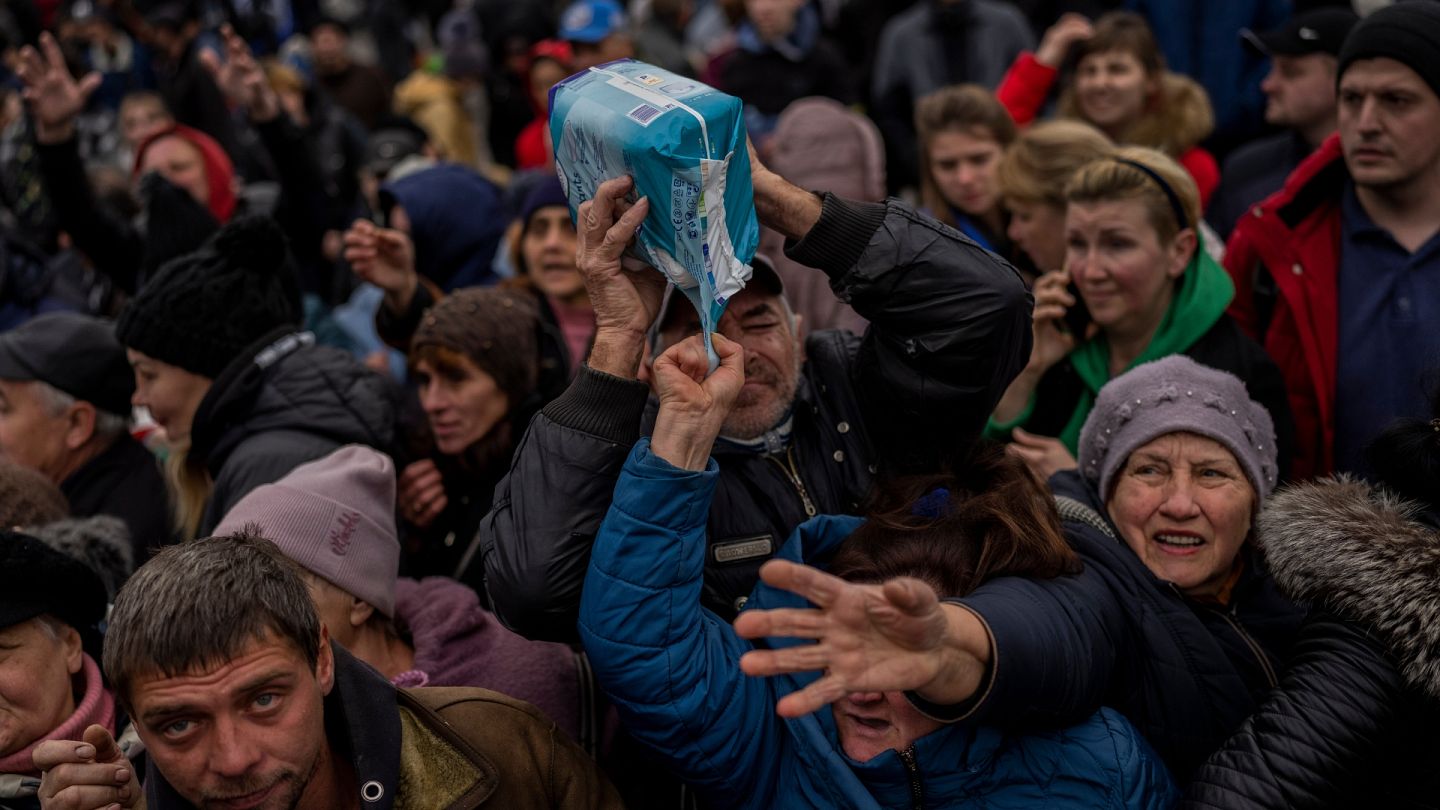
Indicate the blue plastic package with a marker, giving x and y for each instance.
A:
(684, 144)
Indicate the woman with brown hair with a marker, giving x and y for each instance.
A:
(963, 133)
(719, 730)
(1120, 85)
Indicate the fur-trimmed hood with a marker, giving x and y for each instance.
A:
(1181, 118)
(1361, 551)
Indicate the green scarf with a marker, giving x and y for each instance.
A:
(1203, 293)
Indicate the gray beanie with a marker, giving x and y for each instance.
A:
(334, 517)
(1177, 395)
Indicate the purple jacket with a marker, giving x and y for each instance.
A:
(459, 643)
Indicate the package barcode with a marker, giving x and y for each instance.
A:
(644, 113)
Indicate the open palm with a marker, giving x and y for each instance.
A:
(55, 97)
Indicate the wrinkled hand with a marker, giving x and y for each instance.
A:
(420, 495)
(384, 257)
(1052, 340)
(868, 638)
(83, 775)
(625, 300)
(241, 78)
(693, 407)
(1059, 38)
(55, 97)
(1044, 455)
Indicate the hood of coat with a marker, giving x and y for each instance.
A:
(290, 384)
(1181, 119)
(1365, 554)
(456, 221)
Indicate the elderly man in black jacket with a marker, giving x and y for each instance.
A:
(821, 415)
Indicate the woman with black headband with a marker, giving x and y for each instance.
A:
(1136, 286)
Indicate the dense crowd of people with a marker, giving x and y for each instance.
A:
(1074, 441)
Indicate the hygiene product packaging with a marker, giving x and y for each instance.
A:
(684, 144)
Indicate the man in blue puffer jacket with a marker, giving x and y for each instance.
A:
(672, 667)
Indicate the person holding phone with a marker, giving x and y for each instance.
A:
(1134, 262)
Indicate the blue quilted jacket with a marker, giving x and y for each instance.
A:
(671, 667)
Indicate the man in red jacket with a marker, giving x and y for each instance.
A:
(1338, 273)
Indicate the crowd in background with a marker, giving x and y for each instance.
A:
(1075, 440)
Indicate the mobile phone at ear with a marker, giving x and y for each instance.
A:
(1077, 317)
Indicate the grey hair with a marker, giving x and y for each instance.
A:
(56, 402)
(198, 604)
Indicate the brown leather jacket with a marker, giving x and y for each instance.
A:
(469, 748)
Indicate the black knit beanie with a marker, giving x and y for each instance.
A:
(203, 310)
(1408, 32)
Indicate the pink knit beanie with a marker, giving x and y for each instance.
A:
(336, 518)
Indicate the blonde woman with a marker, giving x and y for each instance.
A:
(1133, 260)
(1033, 175)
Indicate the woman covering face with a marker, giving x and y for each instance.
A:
(1135, 286)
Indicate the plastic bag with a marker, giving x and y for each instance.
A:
(684, 144)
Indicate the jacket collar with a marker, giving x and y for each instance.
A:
(234, 390)
(1318, 180)
(362, 721)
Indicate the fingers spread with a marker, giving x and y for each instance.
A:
(811, 583)
(804, 658)
(816, 696)
(781, 622)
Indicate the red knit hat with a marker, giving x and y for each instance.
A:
(219, 171)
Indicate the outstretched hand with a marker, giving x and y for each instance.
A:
(868, 638)
(55, 97)
(241, 78)
(693, 407)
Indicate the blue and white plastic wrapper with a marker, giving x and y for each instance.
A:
(684, 144)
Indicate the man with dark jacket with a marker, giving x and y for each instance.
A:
(1299, 96)
(819, 416)
(65, 390)
(241, 699)
(1338, 274)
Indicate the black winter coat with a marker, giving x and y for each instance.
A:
(124, 481)
(286, 402)
(1354, 721)
(950, 327)
(1223, 346)
(1184, 672)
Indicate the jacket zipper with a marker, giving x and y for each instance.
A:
(917, 795)
(1229, 616)
(1254, 647)
(792, 474)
